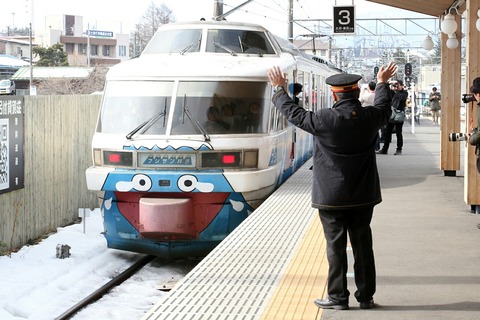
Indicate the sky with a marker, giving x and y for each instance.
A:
(36, 285)
(120, 17)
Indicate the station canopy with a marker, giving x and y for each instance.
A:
(434, 8)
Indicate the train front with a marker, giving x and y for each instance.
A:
(181, 159)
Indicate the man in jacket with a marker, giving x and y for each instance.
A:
(399, 102)
(473, 135)
(346, 184)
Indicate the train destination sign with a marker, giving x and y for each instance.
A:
(167, 160)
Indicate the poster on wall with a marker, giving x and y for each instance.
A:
(11, 144)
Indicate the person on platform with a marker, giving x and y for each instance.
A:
(368, 97)
(296, 89)
(473, 135)
(434, 102)
(346, 184)
(399, 102)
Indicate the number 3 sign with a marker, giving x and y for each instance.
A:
(344, 19)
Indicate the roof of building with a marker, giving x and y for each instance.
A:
(52, 72)
(18, 39)
(429, 7)
(7, 61)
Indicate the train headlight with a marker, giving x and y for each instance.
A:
(230, 159)
(97, 157)
(117, 158)
(250, 158)
(221, 159)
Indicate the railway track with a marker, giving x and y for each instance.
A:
(99, 293)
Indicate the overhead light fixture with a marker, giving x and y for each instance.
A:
(449, 25)
(478, 20)
(452, 41)
(428, 43)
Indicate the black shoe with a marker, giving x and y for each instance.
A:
(367, 304)
(381, 151)
(329, 304)
(398, 152)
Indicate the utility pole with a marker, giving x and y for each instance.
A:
(290, 20)
(88, 45)
(32, 90)
(217, 8)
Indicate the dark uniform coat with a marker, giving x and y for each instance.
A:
(345, 172)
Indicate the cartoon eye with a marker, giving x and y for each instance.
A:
(141, 182)
(187, 183)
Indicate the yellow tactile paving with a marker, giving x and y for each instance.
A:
(304, 280)
(273, 266)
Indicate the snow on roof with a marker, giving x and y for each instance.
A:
(11, 61)
(52, 72)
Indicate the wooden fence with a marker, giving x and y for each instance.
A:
(57, 138)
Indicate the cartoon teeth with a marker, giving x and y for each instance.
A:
(188, 183)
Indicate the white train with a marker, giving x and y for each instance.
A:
(188, 143)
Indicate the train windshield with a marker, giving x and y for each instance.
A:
(201, 107)
(221, 107)
(129, 104)
(175, 41)
(238, 41)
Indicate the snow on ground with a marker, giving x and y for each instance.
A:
(36, 285)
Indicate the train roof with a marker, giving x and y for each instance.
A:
(213, 49)
(207, 23)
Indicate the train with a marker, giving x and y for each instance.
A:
(188, 144)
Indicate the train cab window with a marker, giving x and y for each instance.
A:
(238, 41)
(128, 104)
(175, 41)
(223, 107)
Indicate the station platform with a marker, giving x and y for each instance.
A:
(273, 266)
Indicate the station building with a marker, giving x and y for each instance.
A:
(83, 47)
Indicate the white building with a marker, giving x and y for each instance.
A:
(83, 47)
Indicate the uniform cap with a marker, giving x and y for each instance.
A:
(343, 82)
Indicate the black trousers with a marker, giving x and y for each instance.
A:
(387, 139)
(336, 225)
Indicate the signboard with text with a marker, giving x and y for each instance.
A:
(11, 144)
(98, 33)
(344, 19)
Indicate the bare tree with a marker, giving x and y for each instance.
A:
(93, 83)
(153, 18)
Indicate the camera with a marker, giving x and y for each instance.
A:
(467, 97)
(459, 136)
(393, 84)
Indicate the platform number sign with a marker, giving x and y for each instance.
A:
(344, 19)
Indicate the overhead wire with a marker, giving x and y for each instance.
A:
(279, 9)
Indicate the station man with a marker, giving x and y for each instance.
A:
(346, 184)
